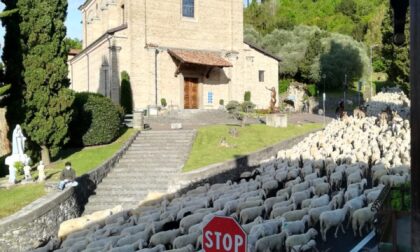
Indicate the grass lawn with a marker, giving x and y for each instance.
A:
(85, 159)
(206, 149)
(17, 197)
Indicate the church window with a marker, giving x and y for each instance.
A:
(188, 8)
(261, 75)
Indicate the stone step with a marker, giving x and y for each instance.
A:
(148, 161)
(166, 132)
(109, 186)
(140, 176)
(117, 197)
(162, 165)
(153, 160)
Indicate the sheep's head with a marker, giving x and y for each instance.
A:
(312, 232)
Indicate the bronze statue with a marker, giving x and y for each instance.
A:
(273, 100)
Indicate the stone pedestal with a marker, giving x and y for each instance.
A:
(276, 120)
(138, 120)
(11, 160)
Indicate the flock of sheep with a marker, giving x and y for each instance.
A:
(328, 181)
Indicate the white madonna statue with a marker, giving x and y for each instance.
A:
(18, 153)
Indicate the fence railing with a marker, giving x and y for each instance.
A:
(393, 217)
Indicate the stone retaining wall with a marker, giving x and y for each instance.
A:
(37, 223)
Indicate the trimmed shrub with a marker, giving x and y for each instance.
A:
(248, 106)
(126, 97)
(311, 88)
(233, 107)
(97, 120)
(221, 102)
(163, 102)
(247, 96)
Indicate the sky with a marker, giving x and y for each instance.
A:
(73, 21)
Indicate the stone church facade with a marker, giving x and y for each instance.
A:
(190, 52)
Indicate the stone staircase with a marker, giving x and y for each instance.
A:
(148, 166)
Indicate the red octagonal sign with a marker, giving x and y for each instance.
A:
(224, 234)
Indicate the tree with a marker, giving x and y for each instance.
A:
(47, 100)
(74, 43)
(126, 97)
(12, 59)
(396, 58)
(311, 55)
(11, 93)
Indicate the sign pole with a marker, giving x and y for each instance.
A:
(415, 122)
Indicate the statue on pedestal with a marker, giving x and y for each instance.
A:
(273, 100)
(18, 154)
(41, 171)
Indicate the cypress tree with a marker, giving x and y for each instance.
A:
(12, 58)
(126, 97)
(47, 100)
(397, 58)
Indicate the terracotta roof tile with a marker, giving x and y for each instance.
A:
(199, 57)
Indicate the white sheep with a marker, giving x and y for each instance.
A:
(247, 227)
(273, 243)
(248, 204)
(249, 214)
(355, 204)
(352, 193)
(314, 213)
(321, 188)
(311, 245)
(185, 240)
(298, 197)
(354, 177)
(300, 239)
(158, 248)
(332, 218)
(190, 220)
(295, 215)
(164, 237)
(270, 186)
(269, 202)
(188, 248)
(321, 201)
(361, 217)
(295, 227)
(300, 187)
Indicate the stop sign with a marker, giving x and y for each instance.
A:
(224, 234)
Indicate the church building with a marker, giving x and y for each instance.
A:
(189, 52)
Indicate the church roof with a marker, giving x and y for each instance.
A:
(263, 51)
(204, 58)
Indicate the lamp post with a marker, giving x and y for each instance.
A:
(324, 96)
(371, 69)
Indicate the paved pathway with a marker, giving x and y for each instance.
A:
(193, 119)
(148, 165)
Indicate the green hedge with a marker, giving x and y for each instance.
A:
(96, 120)
(247, 96)
(311, 88)
(284, 85)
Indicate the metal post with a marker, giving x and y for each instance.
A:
(345, 85)
(324, 97)
(371, 71)
(156, 76)
(415, 122)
